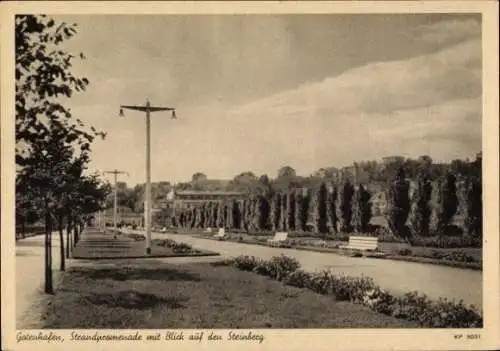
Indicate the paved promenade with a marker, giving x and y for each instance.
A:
(396, 276)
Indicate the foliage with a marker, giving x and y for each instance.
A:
(471, 205)
(321, 209)
(363, 290)
(362, 210)
(331, 210)
(447, 202)
(286, 171)
(299, 279)
(344, 206)
(399, 206)
(43, 75)
(245, 263)
(421, 210)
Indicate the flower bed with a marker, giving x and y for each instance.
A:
(363, 290)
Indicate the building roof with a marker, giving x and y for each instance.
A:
(211, 193)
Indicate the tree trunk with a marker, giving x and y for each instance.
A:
(49, 288)
(62, 263)
(68, 238)
(75, 233)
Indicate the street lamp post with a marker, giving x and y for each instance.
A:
(115, 196)
(147, 203)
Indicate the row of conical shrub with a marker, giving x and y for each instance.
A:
(347, 208)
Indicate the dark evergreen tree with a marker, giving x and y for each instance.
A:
(447, 203)
(321, 209)
(420, 215)
(471, 205)
(362, 210)
(331, 209)
(399, 206)
(304, 209)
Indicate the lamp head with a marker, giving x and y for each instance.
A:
(121, 113)
(174, 116)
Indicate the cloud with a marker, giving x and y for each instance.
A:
(449, 31)
(429, 104)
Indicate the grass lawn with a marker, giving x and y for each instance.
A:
(104, 245)
(153, 294)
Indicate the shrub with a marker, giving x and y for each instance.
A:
(137, 237)
(447, 242)
(245, 263)
(279, 267)
(449, 314)
(322, 283)
(182, 248)
(363, 290)
(404, 252)
(379, 301)
(460, 256)
(299, 279)
(439, 314)
(412, 306)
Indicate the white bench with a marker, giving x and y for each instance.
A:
(279, 237)
(361, 243)
(221, 234)
(208, 230)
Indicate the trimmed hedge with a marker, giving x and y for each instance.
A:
(363, 290)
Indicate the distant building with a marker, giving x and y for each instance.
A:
(191, 198)
(393, 159)
(124, 216)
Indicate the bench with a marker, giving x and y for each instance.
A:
(221, 234)
(208, 230)
(279, 237)
(361, 243)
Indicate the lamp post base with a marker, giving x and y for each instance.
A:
(148, 251)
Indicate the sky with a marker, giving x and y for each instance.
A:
(258, 92)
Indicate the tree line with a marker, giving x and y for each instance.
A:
(346, 207)
(53, 148)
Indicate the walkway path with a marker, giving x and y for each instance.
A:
(30, 277)
(396, 276)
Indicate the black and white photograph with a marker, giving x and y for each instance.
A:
(239, 173)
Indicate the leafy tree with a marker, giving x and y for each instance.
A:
(43, 75)
(286, 171)
(399, 206)
(46, 133)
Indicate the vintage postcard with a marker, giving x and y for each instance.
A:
(250, 175)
